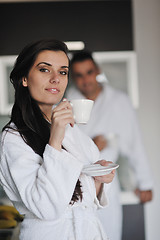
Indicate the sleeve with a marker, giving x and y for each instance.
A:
(132, 147)
(102, 200)
(45, 186)
(80, 145)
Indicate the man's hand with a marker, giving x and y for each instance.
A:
(144, 196)
(100, 141)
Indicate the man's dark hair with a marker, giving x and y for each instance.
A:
(82, 56)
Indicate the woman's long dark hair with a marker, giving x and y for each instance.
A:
(26, 114)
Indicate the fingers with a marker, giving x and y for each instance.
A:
(62, 114)
(63, 105)
(106, 178)
(145, 196)
(103, 162)
(63, 119)
(100, 141)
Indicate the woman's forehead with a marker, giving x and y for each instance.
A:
(52, 57)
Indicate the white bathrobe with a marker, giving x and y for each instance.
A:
(42, 188)
(113, 114)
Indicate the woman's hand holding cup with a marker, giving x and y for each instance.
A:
(61, 116)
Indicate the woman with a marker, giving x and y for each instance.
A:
(43, 152)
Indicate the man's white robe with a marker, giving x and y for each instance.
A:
(113, 115)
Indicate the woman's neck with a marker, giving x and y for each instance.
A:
(47, 112)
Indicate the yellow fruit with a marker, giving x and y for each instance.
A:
(8, 208)
(10, 213)
(7, 215)
(7, 224)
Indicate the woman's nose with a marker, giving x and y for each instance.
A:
(54, 78)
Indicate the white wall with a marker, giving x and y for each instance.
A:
(146, 15)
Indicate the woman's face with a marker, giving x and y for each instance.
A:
(48, 78)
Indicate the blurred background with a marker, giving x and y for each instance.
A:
(125, 39)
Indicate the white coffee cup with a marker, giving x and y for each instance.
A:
(81, 110)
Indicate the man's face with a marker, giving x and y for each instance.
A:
(84, 74)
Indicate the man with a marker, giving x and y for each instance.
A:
(112, 118)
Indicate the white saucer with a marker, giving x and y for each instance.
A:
(99, 170)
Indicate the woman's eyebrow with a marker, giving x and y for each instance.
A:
(48, 64)
(65, 67)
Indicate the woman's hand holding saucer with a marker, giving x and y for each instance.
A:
(108, 178)
(61, 116)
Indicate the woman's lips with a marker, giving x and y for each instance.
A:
(53, 90)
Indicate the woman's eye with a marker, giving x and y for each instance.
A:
(44, 70)
(63, 72)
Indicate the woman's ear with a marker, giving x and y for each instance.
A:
(24, 82)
